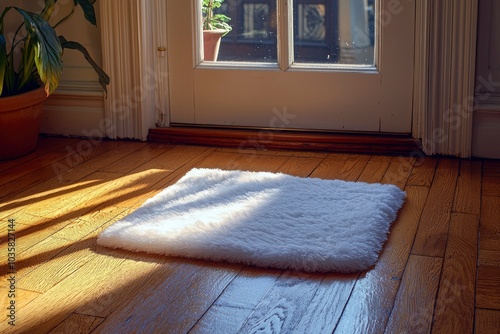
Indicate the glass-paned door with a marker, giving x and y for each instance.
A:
(344, 65)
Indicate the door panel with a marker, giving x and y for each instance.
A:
(374, 97)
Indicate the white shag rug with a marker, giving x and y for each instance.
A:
(263, 219)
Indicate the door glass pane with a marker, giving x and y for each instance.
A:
(253, 37)
(324, 31)
(334, 31)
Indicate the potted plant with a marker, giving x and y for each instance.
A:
(215, 26)
(30, 70)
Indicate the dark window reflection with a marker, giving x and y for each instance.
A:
(253, 37)
(325, 31)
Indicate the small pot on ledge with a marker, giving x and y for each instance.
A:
(211, 43)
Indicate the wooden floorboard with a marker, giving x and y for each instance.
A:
(414, 306)
(454, 310)
(487, 321)
(433, 228)
(438, 272)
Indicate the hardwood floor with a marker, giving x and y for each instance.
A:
(439, 271)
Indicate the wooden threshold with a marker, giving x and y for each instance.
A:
(267, 139)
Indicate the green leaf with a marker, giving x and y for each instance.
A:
(48, 9)
(43, 41)
(213, 21)
(88, 10)
(103, 77)
(3, 61)
(221, 17)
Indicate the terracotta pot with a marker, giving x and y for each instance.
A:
(211, 43)
(20, 118)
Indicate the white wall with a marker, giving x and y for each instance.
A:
(486, 131)
(77, 107)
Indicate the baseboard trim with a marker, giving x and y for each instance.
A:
(74, 114)
(486, 134)
(265, 139)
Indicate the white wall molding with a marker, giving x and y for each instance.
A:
(444, 83)
(134, 44)
(76, 112)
